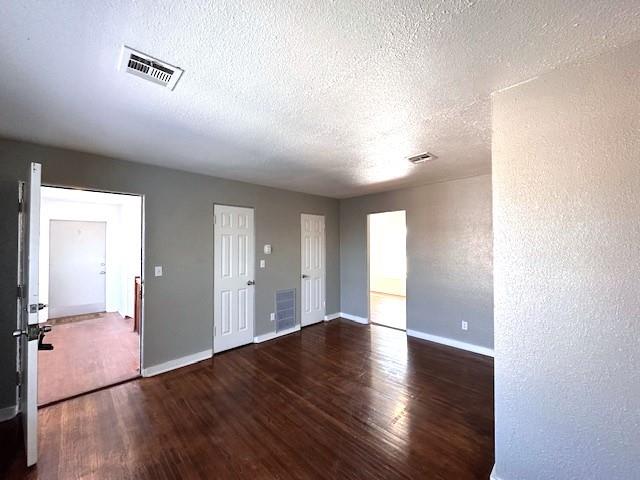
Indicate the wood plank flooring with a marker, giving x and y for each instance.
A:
(88, 353)
(335, 401)
(388, 310)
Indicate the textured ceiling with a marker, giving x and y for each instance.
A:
(325, 97)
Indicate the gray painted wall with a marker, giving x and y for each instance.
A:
(179, 236)
(449, 256)
(566, 179)
(8, 290)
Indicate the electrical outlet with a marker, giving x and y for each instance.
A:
(465, 325)
(158, 270)
(273, 317)
(262, 263)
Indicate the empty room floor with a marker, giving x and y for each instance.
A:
(388, 310)
(336, 400)
(89, 353)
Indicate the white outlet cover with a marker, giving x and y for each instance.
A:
(262, 263)
(158, 270)
(465, 325)
(273, 317)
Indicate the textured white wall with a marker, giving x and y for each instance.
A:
(566, 184)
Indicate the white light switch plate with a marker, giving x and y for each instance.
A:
(273, 317)
(158, 270)
(267, 249)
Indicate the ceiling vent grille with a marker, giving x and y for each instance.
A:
(144, 66)
(423, 157)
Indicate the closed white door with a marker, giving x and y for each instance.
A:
(313, 269)
(77, 267)
(233, 288)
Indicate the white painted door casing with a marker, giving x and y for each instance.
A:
(29, 252)
(313, 274)
(234, 270)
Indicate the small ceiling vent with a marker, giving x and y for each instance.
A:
(423, 157)
(144, 66)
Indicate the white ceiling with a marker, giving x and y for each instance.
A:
(325, 97)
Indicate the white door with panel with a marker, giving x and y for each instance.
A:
(29, 329)
(313, 269)
(234, 285)
(77, 267)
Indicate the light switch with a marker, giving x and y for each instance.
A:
(267, 249)
(158, 270)
(262, 263)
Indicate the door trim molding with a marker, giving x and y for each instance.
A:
(177, 363)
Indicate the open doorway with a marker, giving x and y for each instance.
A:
(90, 284)
(388, 269)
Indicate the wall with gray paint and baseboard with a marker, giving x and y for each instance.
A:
(566, 178)
(449, 256)
(179, 236)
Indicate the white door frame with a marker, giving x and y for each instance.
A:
(324, 268)
(143, 260)
(215, 259)
(369, 258)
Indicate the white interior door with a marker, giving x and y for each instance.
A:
(234, 285)
(77, 267)
(313, 269)
(29, 252)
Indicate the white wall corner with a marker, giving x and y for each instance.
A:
(7, 413)
(354, 318)
(272, 335)
(331, 316)
(451, 343)
(177, 363)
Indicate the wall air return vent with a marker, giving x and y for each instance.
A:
(144, 66)
(285, 309)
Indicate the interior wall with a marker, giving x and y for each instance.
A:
(179, 236)
(8, 296)
(566, 178)
(122, 213)
(388, 253)
(449, 256)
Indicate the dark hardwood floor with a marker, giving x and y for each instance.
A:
(337, 400)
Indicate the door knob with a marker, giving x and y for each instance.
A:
(102, 272)
(305, 276)
(251, 282)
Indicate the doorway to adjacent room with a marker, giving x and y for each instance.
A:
(90, 287)
(388, 269)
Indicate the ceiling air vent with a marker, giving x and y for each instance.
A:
(423, 157)
(144, 66)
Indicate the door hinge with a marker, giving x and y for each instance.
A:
(18, 378)
(20, 291)
(20, 206)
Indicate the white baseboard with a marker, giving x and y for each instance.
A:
(7, 413)
(493, 474)
(451, 343)
(272, 335)
(331, 316)
(354, 318)
(177, 363)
